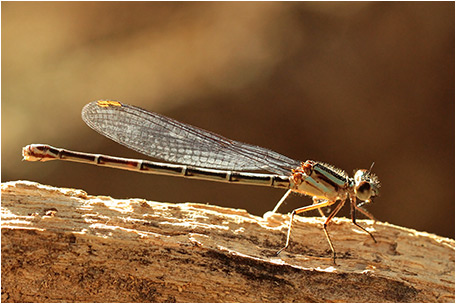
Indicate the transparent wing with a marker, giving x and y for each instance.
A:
(163, 138)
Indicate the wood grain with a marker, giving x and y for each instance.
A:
(63, 245)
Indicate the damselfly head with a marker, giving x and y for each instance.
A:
(366, 184)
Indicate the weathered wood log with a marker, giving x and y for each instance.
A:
(62, 245)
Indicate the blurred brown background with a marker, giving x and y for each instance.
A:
(344, 83)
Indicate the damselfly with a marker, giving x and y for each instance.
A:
(197, 153)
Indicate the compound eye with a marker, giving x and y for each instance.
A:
(363, 190)
(360, 176)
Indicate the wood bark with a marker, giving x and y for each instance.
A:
(63, 245)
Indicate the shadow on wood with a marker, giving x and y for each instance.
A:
(62, 245)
